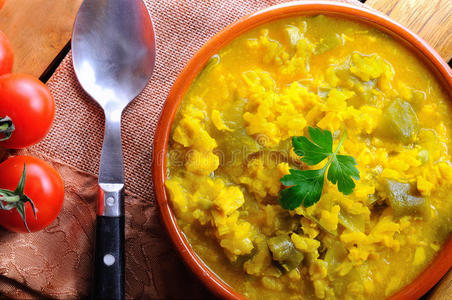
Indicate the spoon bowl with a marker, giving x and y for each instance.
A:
(113, 53)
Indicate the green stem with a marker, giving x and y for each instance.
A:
(10, 199)
(6, 128)
(17, 199)
(340, 142)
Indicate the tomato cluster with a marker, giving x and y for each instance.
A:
(31, 190)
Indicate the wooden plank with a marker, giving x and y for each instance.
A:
(38, 31)
(443, 290)
(430, 19)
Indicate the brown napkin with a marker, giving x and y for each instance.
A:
(56, 262)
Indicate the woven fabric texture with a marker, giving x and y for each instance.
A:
(56, 262)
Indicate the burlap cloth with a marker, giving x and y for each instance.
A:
(56, 262)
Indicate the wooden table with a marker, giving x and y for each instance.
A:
(40, 31)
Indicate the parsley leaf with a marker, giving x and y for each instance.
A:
(313, 152)
(342, 170)
(305, 187)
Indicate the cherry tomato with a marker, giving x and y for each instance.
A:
(43, 185)
(29, 104)
(6, 53)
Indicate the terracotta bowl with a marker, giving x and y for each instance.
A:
(443, 261)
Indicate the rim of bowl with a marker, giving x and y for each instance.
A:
(443, 260)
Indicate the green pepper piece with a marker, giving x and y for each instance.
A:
(400, 121)
(284, 252)
(403, 202)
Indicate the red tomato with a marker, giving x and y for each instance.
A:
(6, 53)
(43, 185)
(28, 102)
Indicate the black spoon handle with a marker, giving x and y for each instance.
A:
(109, 258)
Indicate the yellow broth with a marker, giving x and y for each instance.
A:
(231, 143)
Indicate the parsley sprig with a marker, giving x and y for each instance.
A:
(306, 186)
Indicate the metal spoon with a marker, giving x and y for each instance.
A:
(113, 52)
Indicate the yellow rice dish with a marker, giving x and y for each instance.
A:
(231, 143)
